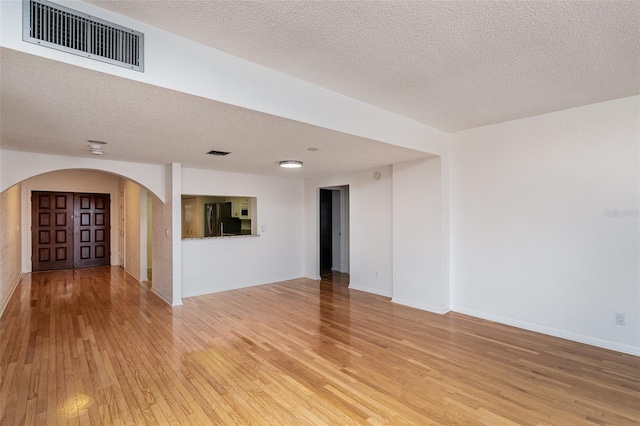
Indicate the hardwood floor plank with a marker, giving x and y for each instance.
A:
(94, 347)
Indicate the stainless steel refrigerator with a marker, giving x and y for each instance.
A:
(218, 220)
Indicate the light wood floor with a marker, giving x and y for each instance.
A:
(94, 347)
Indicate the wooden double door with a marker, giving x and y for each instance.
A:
(70, 230)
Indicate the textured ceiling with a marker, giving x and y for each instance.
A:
(52, 107)
(450, 64)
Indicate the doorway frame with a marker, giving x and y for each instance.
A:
(122, 229)
(29, 185)
(345, 227)
(74, 228)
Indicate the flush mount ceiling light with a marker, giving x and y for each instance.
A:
(95, 147)
(291, 164)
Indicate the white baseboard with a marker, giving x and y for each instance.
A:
(313, 277)
(372, 290)
(189, 292)
(429, 308)
(163, 297)
(575, 337)
(10, 294)
(132, 274)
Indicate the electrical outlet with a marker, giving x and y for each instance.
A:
(377, 275)
(620, 320)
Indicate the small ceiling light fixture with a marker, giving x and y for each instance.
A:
(95, 147)
(291, 164)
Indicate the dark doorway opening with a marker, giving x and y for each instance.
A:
(70, 230)
(333, 238)
(326, 240)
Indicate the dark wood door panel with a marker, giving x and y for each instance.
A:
(52, 229)
(92, 230)
(70, 230)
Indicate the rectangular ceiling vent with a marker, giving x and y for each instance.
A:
(218, 153)
(68, 30)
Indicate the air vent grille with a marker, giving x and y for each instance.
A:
(218, 153)
(61, 28)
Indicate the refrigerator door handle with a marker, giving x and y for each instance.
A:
(209, 221)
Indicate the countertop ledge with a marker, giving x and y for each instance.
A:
(220, 238)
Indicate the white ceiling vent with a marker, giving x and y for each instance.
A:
(61, 28)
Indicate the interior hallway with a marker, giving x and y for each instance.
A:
(93, 346)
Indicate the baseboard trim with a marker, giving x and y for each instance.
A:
(202, 291)
(131, 274)
(429, 308)
(162, 297)
(550, 331)
(13, 290)
(313, 277)
(371, 290)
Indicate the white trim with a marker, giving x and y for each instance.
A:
(164, 299)
(567, 335)
(122, 229)
(10, 294)
(174, 197)
(313, 277)
(132, 275)
(371, 290)
(203, 291)
(429, 308)
(142, 220)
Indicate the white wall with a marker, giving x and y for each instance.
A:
(336, 230)
(212, 265)
(144, 235)
(534, 242)
(162, 280)
(69, 181)
(173, 175)
(418, 236)
(149, 230)
(133, 228)
(10, 244)
(18, 166)
(370, 228)
(137, 229)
